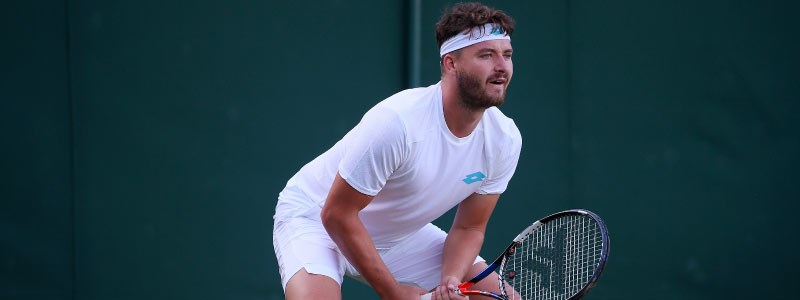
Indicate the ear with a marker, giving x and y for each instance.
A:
(448, 63)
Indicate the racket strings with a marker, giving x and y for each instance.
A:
(556, 261)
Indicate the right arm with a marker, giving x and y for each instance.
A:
(340, 218)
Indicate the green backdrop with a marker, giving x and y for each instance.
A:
(145, 142)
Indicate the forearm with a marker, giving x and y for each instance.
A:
(461, 248)
(354, 242)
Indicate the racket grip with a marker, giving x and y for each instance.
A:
(429, 296)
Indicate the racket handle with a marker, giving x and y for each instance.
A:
(429, 296)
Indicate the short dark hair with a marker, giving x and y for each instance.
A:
(463, 16)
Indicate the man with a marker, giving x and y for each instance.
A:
(364, 208)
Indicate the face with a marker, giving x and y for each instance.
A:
(483, 72)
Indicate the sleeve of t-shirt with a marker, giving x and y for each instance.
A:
(373, 151)
(503, 167)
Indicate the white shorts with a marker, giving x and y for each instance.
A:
(303, 243)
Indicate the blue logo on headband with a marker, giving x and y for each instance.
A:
(497, 31)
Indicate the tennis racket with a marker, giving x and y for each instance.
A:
(558, 257)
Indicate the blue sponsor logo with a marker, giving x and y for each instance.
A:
(497, 31)
(473, 178)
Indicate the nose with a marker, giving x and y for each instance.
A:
(503, 64)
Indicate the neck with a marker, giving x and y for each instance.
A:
(460, 119)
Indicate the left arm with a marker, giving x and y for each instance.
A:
(465, 238)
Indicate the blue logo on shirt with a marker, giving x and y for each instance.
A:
(474, 177)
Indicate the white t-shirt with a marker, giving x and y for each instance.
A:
(403, 154)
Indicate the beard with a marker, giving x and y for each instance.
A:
(473, 93)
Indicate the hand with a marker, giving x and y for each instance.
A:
(447, 290)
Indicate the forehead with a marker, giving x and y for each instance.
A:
(493, 45)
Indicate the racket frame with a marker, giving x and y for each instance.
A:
(500, 261)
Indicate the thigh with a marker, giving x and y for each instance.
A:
(490, 283)
(418, 259)
(304, 286)
(306, 255)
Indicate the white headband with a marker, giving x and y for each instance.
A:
(478, 34)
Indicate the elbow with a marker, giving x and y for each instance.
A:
(328, 217)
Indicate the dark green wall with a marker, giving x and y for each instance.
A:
(685, 136)
(145, 142)
(36, 245)
(189, 119)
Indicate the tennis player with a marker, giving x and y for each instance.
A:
(364, 207)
